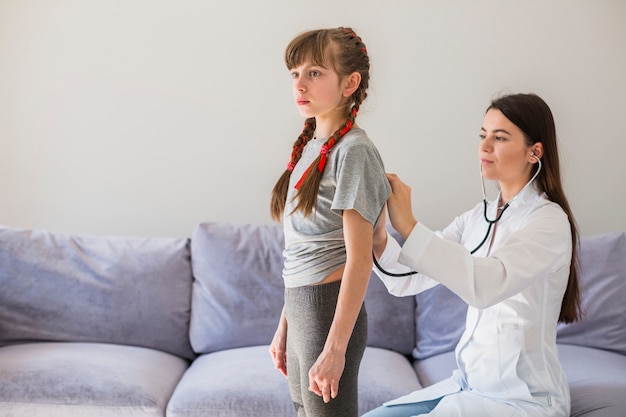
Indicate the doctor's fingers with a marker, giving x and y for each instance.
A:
(397, 185)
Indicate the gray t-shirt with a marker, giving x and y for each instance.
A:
(354, 178)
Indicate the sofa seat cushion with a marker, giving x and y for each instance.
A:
(243, 382)
(86, 379)
(595, 376)
(435, 368)
(597, 380)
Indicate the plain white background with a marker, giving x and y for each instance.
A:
(146, 117)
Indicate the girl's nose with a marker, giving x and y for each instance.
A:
(298, 84)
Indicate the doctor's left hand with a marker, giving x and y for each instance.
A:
(325, 373)
(399, 206)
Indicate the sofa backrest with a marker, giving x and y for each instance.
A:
(123, 290)
(238, 292)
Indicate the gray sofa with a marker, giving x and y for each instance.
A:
(131, 326)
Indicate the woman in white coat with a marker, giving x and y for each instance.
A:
(510, 260)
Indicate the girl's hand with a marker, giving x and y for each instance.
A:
(325, 373)
(278, 347)
(399, 206)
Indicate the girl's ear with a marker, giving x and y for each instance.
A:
(351, 83)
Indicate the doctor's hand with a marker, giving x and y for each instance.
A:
(399, 206)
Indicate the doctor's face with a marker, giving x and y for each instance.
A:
(503, 151)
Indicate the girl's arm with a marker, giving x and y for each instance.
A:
(325, 373)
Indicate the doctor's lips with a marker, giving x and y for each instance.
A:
(301, 101)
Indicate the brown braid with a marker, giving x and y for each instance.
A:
(279, 194)
(348, 55)
(309, 185)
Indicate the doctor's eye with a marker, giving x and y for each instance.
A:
(481, 136)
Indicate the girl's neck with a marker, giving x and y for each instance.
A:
(328, 124)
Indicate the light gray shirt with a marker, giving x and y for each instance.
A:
(354, 178)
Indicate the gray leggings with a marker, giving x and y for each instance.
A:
(309, 311)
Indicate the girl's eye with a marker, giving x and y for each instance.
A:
(294, 75)
(314, 73)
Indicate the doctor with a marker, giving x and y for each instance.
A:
(510, 260)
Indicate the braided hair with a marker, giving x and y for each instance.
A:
(348, 55)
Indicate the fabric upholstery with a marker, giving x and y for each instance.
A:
(58, 287)
(440, 321)
(86, 379)
(243, 383)
(603, 289)
(238, 292)
(596, 379)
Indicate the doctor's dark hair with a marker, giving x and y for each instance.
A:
(534, 118)
(342, 50)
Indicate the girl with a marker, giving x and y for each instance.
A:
(329, 198)
(520, 281)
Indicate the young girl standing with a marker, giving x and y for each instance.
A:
(329, 198)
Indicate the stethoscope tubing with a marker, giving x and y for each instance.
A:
(489, 221)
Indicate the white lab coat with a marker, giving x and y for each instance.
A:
(507, 357)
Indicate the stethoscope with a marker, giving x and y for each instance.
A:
(490, 222)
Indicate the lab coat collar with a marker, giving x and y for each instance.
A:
(524, 198)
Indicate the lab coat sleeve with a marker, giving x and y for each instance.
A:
(533, 252)
(400, 286)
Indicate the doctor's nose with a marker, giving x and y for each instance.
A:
(485, 146)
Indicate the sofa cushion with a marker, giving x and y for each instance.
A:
(238, 292)
(244, 383)
(59, 287)
(86, 379)
(595, 376)
(603, 289)
(440, 321)
(596, 380)
(435, 368)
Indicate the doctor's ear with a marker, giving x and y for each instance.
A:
(536, 152)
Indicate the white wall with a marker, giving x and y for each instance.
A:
(145, 117)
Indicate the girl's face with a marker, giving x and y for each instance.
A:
(318, 91)
(503, 152)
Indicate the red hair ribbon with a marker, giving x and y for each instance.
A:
(327, 147)
(324, 154)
